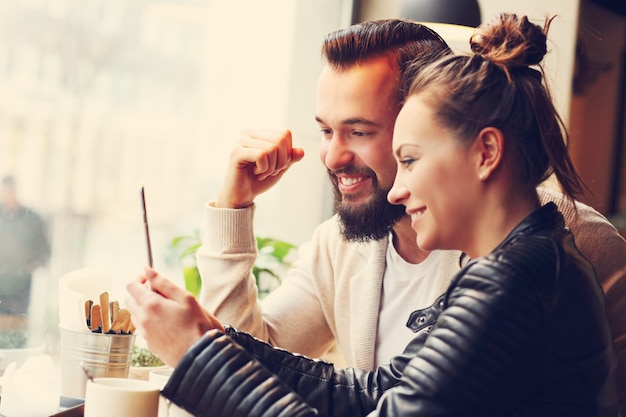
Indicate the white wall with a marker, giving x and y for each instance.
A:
(559, 63)
(293, 208)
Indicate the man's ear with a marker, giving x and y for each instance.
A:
(490, 146)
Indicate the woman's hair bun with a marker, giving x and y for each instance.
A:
(510, 41)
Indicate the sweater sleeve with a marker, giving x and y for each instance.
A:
(225, 261)
(289, 316)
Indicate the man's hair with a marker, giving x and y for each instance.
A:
(402, 41)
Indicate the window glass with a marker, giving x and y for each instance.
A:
(100, 97)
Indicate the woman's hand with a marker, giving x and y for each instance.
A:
(168, 317)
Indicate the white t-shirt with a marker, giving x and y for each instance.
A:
(406, 287)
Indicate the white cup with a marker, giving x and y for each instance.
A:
(121, 397)
(159, 377)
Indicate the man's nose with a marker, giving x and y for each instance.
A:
(335, 153)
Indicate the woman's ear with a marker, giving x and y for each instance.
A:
(490, 146)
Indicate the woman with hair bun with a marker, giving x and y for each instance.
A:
(522, 329)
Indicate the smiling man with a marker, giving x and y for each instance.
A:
(336, 293)
(355, 125)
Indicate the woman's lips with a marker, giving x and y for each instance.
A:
(416, 215)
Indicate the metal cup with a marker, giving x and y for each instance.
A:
(101, 355)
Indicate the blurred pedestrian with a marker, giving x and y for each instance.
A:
(24, 247)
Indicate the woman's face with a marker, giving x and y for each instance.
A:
(436, 178)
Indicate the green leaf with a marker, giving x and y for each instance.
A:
(193, 282)
(271, 261)
(144, 357)
(281, 249)
(13, 339)
(190, 251)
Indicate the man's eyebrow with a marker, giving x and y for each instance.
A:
(352, 121)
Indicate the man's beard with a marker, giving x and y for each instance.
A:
(367, 221)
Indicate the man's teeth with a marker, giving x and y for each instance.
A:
(350, 181)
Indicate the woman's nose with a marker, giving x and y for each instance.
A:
(398, 193)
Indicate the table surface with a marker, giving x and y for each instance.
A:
(68, 407)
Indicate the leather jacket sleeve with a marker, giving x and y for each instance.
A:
(332, 391)
(316, 382)
(218, 378)
(200, 382)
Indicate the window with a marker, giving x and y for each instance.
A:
(103, 96)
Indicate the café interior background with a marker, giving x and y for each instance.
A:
(98, 97)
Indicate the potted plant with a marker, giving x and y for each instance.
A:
(15, 347)
(143, 362)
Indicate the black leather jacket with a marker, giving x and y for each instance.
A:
(520, 332)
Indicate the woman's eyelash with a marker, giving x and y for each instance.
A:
(407, 161)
